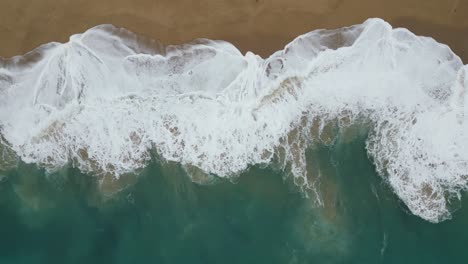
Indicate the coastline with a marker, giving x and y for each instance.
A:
(261, 26)
(110, 153)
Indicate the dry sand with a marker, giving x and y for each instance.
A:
(262, 26)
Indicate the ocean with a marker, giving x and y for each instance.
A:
(256, 218)
(348, 146)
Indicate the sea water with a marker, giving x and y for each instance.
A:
(347, 146)
(166, 218)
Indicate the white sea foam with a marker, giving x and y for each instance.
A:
(106, 98)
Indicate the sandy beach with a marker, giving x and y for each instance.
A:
(261, 26)
(111, 153)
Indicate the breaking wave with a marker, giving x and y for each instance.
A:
(107, 99)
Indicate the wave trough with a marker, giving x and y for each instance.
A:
(107, 98)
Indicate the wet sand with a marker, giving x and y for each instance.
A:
(262, 26)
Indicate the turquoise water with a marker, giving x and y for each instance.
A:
(257, 218)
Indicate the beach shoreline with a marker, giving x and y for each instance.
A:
(260, 26)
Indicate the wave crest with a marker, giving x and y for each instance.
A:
(107, 98)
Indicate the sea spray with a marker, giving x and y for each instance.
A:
(104, 103)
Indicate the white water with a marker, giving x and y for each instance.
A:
(107, 98)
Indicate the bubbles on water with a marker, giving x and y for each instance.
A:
(107, 99)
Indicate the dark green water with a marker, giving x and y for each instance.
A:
(165, 218)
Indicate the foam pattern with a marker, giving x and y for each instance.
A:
(105, 100)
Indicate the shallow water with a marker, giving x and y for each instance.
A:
(258, 218)
(115, 141)
(108, 99)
